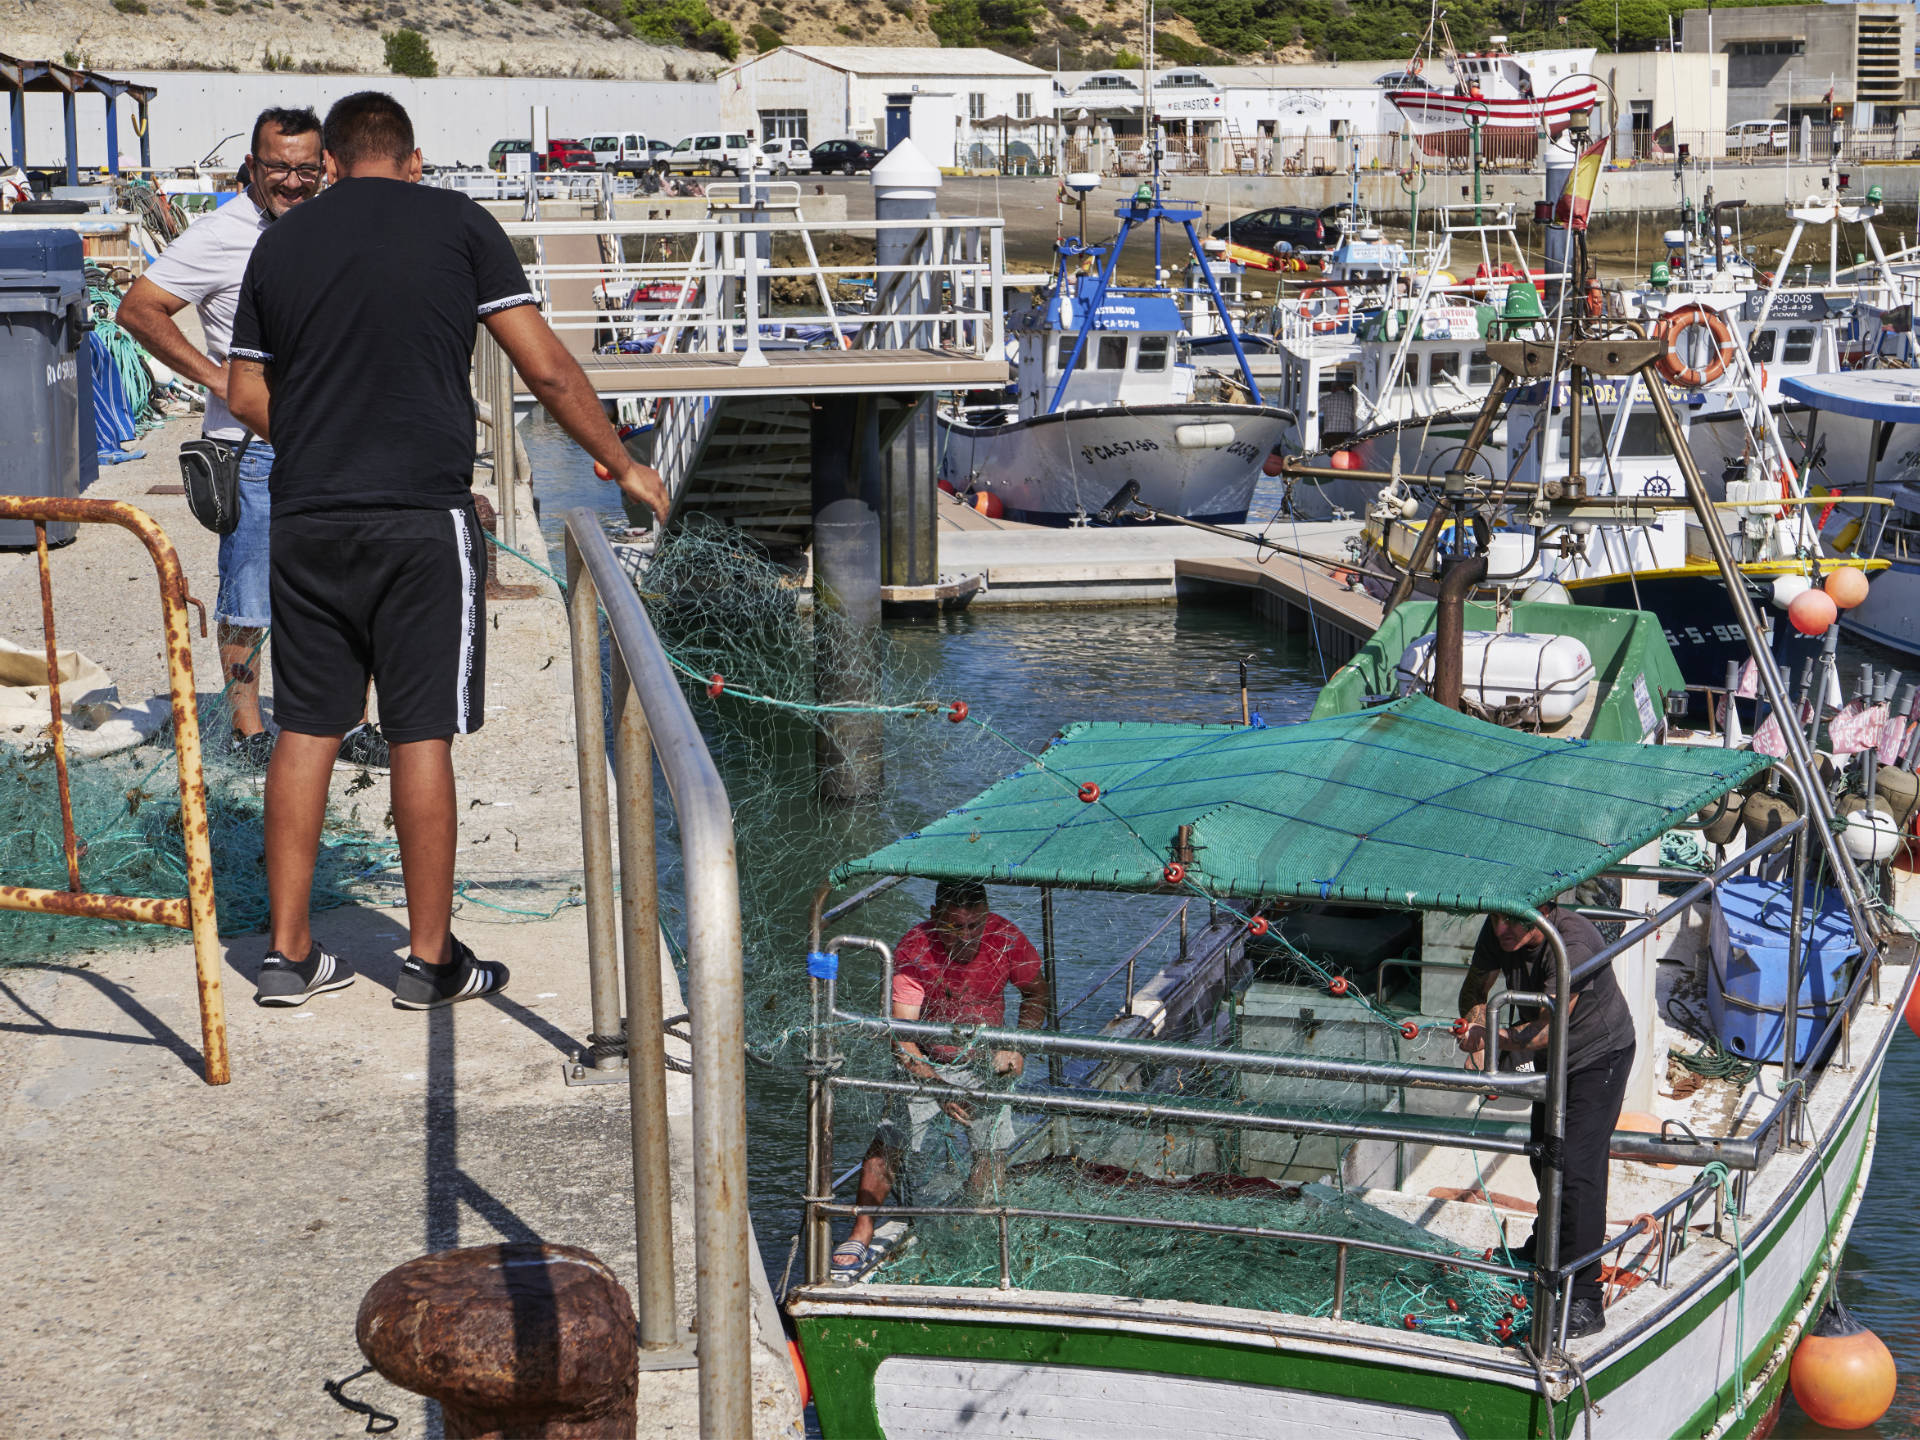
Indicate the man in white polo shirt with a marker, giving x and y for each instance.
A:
(203, 268)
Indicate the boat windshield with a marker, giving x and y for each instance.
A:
(1644, 440)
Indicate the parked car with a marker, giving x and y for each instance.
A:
(627, 153)
(1294, 226)
(785, 154)
(1750, 136)
(715, 150)
(570, 155)
(850, 156)
(497, 156)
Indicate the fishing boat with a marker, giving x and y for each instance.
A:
(1510, 99)
(1267, 1193)
(1105, 393)
(1870, 421)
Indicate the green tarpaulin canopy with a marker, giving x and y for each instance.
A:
(1409, 804)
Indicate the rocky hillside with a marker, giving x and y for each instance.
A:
(599, 41)
(684, 39)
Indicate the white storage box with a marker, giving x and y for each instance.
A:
(1553, 671)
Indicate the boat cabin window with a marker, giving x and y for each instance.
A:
(1442, 364)
(1799, 346)
(1113, 352)
(1644, 438)
(1480, 368)
(1762, 348)
(1153, 353)
(1065, 358)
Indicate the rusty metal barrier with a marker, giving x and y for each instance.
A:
(195, 910)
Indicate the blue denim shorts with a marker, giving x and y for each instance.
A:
(244, 591)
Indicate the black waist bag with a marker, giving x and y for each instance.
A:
(210, 471)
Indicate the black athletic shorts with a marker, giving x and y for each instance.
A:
(392, 595)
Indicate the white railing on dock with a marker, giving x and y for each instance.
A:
(724, 278)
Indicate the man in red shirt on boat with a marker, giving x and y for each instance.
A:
(953, 967)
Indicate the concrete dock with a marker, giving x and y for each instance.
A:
(189, 1260)
(1038, 565)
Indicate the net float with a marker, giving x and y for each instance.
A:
(1847, 586)
(1338, 985)
(1812, 612)
(1174, 871)
(957, 711)
(716, 682)
(1257, 925)
(1410, 1031)
(1089, 792)
(1842, 1374)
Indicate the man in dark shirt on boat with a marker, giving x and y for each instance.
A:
(953, 967)
(1600, 1047)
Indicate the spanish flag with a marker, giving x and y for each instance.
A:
(1572, 206)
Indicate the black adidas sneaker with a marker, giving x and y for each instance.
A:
(427, 987)
(286, 982)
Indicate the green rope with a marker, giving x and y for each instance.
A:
(1715, 1171)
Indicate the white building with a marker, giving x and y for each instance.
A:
(1254, 112)
(950, 101)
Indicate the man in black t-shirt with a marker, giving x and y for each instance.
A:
(1600, 1049)
(351, 351)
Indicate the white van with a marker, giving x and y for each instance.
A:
(717, 151)
(785, 154)
(627, 153)
(1757, 137)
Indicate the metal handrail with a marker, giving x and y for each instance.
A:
(654, 720)
(1423, 1077)
(195, 911)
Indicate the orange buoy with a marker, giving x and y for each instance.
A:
(800, 1373)
(1273, 465)
(1344, 460)
(1812, 612)
(1842, 1374)
(1641, 1123)
(945, 487)
(1847, 586)
(988, 504)
(1913, 1010)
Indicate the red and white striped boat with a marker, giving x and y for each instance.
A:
(1512, 96)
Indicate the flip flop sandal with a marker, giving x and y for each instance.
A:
(848, 1257)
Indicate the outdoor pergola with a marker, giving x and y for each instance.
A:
(19, 78)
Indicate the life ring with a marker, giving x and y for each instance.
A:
(1417, 66)
(1324, 323)
(1675, 323)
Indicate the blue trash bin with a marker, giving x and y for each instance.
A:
(43, 331)
(1747, 971)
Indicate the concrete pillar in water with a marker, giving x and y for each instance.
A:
(906, 186)
(846, 592)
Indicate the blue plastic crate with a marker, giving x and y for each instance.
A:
(1747, 979)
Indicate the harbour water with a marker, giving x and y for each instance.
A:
(1032, 670)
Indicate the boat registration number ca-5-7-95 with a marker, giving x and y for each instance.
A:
(1114, 451)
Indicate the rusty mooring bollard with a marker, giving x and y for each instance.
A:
(512, 1340)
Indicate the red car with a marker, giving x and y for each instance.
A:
(570, 155)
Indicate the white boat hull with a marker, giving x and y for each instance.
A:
(1197, 461)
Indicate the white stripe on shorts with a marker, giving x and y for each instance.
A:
(469, 621)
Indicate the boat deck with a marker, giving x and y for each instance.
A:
(786, 372)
